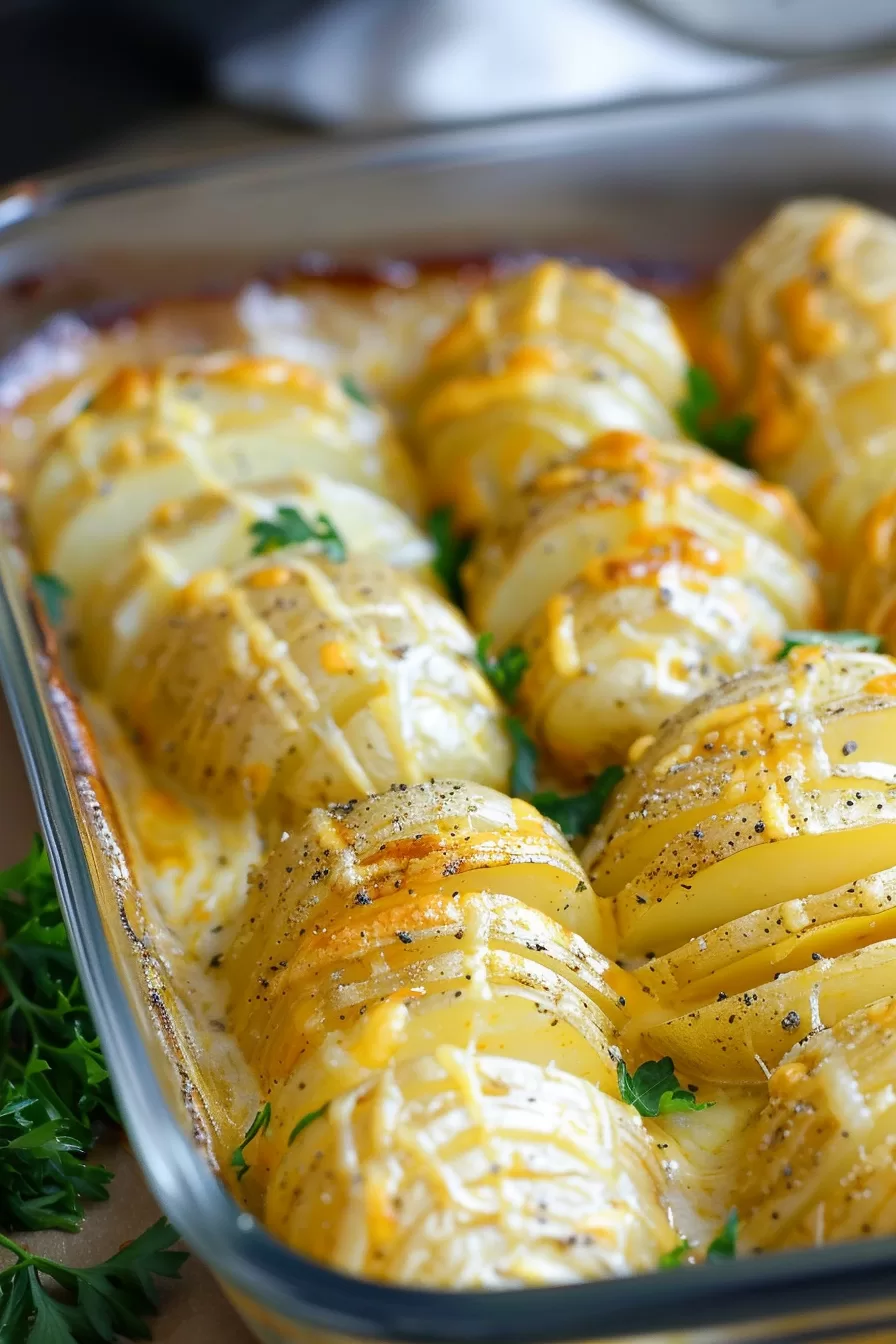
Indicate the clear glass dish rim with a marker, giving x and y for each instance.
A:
(234, 1244)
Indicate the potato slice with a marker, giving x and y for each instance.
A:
(623, 484)
(150, 439)
(296, 681)
(819, 1163)
(208, 532)
(536, 366)
(737, 1040)
(464, 1171)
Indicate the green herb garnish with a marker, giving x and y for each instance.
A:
(672, 1259)
(53, 1080)
(653, 1089)
(724, 1246)
(53, 594)
(259, 1125)
(100, 1303)
(524, 766)
(844, 639)
(289, 528)
(577, 813)
(451, 552)
(504, 671)
(699, 418)
(352, 388)
(307, 1120)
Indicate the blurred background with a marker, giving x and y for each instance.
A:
(130, 78)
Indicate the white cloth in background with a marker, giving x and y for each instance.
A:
(391, 63)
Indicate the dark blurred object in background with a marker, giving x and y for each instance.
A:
(76, 74)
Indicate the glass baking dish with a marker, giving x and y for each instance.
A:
(655, 185)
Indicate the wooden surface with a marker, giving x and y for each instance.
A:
(194, 1310)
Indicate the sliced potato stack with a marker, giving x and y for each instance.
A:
(807, 314)
(635, 576)
(270, 684)
(415, 989)
(819, 1163)
(536, 366)
(871, 594)
(749, 855)
(294, 681)
(217, 426)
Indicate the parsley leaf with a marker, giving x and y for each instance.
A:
(577, 813)
(672, 1259)
(504, 671)
(653, 1089)
(699, 418)
(352, 388)
(289, 528)
(525, 759)
(53, 1080)
(451, 552)
(307, 1120)
(260, 1124)
(53, 594)
(845, 639)
(102, 1302)
(724, 1246)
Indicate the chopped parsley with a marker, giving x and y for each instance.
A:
(53, 594)
(700, 419)
(577, 813)
(289, 528)
(724, 1245)
(259, 1125)
(451, 552)
(672, 1259)
(653, 1089)
(504, 670)
(856, 640)
(352, 388)
(307, 1120)
(524, 767)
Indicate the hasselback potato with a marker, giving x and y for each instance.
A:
(151, 438)
(636, 575)
(819, 1162)
(746, 857)
(535, 367)
(295, 680)
(807, 317)
(412, 964)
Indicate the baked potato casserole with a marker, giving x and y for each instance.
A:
(501, 712)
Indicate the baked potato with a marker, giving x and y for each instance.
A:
(819, 1163)
(151, 439)
(807, 313)
(636, 575)
(534, 368)
(747, 859)
(295, 680)
(412, 988)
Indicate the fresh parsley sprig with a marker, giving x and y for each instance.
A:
(653, 1089)
(100, 1303)
(672, 1259)
(53, 594)
(505, 670)
(576, 813)
(856, 640)
(289, 528)
(451, 552)
(700, 418)
(259, 1125)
